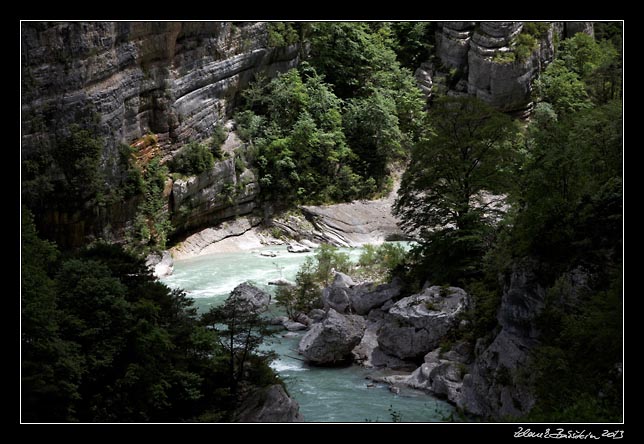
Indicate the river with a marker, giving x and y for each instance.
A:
(324, 394)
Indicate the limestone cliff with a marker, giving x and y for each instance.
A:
(495, 386)
(496, 61)
(175, 80)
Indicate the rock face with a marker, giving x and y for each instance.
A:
(490, 389)
(330, 342)
(344, 225)
(175, 80)
(572, 28)
(415, 325)
(452, 43)
(269, 404)
(471, 49)
(423, 76)
(203, 200)
(197, 243)
(161, 264)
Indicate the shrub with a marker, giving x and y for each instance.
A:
(192, 159)
(525, 46)
(282, 34)
(381, 262)
(538, 30)
(219, 136)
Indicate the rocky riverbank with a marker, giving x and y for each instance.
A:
(303, 229)
(372, 326)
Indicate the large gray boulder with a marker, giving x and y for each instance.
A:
(293, 326)
(251, 297)
(337, 295)
(269, 404)
(344, 296)
(368, 354)
(366, 297)
(416, 324)
(442, 377)
(330, 342)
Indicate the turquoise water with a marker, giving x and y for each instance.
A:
(324, 394)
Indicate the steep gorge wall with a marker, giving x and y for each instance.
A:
(481, 54)
(172, 79)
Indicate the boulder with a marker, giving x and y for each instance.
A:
(330, 342)
(161, 264)
(316, 315)
(268, 253)
(366, 297)
(303, 319)
(296, 247)
(293, 326)
(269, 404)
(415, 325)
(336, 298)
(368, 354)
(441, 377)
(252, 297)
(342, 280)
(279, 320)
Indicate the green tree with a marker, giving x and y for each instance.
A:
(414, 42)
(51, 366)
(598, 63)
(303, 147)
(241, 331)
(450, 189)
(562, 88)
(380, 263)
(313, 275)
(373, 133)
(151, 223)
(470, 153)
(304, 296)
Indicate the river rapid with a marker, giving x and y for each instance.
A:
(324, 394)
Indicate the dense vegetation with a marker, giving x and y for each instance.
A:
(102, 340)
(560, 179)
(330, 129)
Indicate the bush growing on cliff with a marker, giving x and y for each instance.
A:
(282, 34)
(192, 159)
(219, 136)
(151, 223)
